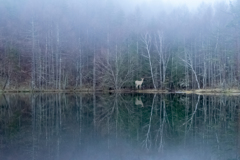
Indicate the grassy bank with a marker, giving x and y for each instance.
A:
(44, 90)
(198, 91)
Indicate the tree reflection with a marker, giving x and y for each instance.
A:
(66, 126)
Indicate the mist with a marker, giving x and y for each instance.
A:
(59, 44)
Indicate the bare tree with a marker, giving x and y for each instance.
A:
(33, 39)
(146, 39)
(188, 61)
(114, 73)
(163, 58)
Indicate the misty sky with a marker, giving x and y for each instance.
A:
(190, 3)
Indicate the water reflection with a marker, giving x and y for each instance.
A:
(138, 101)
(103, 126)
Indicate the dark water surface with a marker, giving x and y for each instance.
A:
(119, 127)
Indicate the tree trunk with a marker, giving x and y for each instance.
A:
(33, 56)
(147, 42)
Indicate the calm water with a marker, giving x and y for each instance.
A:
(119, 127)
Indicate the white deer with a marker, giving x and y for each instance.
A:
(138, 102)
(139, 83)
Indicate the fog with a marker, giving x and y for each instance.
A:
(192, 4)
(90, 44)
(118, 52)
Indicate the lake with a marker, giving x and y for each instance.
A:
(119, 127)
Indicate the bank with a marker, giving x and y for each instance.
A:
(151, 91)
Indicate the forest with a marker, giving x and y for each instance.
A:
(102, 45)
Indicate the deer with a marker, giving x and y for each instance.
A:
(138, 102)
(139, 83)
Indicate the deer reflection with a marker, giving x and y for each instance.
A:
(138, 101)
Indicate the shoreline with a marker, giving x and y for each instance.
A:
(150, 91)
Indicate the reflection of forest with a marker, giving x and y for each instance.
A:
(64, 126)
